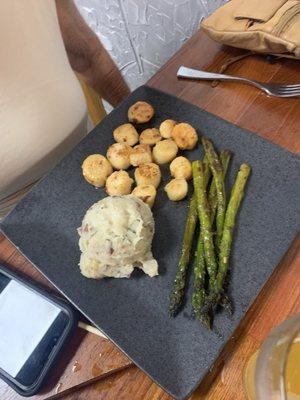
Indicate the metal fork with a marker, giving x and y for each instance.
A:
(272, 89)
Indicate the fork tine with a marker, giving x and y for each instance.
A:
(286, 93)
(291, 86)
(291, 89)
(285, 89)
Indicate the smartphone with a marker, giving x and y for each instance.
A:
(34, 327)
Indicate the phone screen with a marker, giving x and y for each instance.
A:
(30, 327)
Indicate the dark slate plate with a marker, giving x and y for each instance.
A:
(176, 353)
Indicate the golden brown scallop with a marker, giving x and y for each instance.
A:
(177, 189)
(166, 128)
(140, 112)
(185, 136)
(146, 193)
(148, 174)
(181, 168)
(126, 133)
(165, 151)
(95, 169)
(118, 155)
(118, 183)
(140, 154)
(150, 136)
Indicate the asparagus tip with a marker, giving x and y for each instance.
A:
(226, 304)
(227, 152)
(245, 168)
(173, 310)
(205, 320)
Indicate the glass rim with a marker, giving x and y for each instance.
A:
(285, 335)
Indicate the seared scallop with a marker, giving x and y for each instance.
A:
(166, 128)
(148, 174)
(181, 168)
(165, 151)
(177, 189)
(185, 136)
(140, 154)
(118, 155)
(150, 136)
(126, 133)
(146, 193)
(95, 169)
(118, 183)
(140, 112)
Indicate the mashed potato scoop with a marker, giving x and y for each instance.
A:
(115, 237)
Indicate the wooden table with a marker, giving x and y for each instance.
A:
(275, 119)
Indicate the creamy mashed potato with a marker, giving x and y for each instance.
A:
(115, 237)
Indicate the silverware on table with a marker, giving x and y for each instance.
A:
(272, 89)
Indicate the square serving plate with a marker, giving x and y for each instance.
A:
(133, 313)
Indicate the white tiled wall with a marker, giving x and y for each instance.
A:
(141, 35)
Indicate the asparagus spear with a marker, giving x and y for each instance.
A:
(204, 217)
(207, 172)
(217, 172)
(199, 294)
(236, 197)
(198, 298)
(225, 157)
(177, 294)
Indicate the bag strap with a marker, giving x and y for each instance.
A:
(229, 62)
(232, 60)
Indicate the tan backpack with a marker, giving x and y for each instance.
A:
(262, 26)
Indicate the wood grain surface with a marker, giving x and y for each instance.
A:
(275, 119)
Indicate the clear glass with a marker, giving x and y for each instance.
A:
(273, 373)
